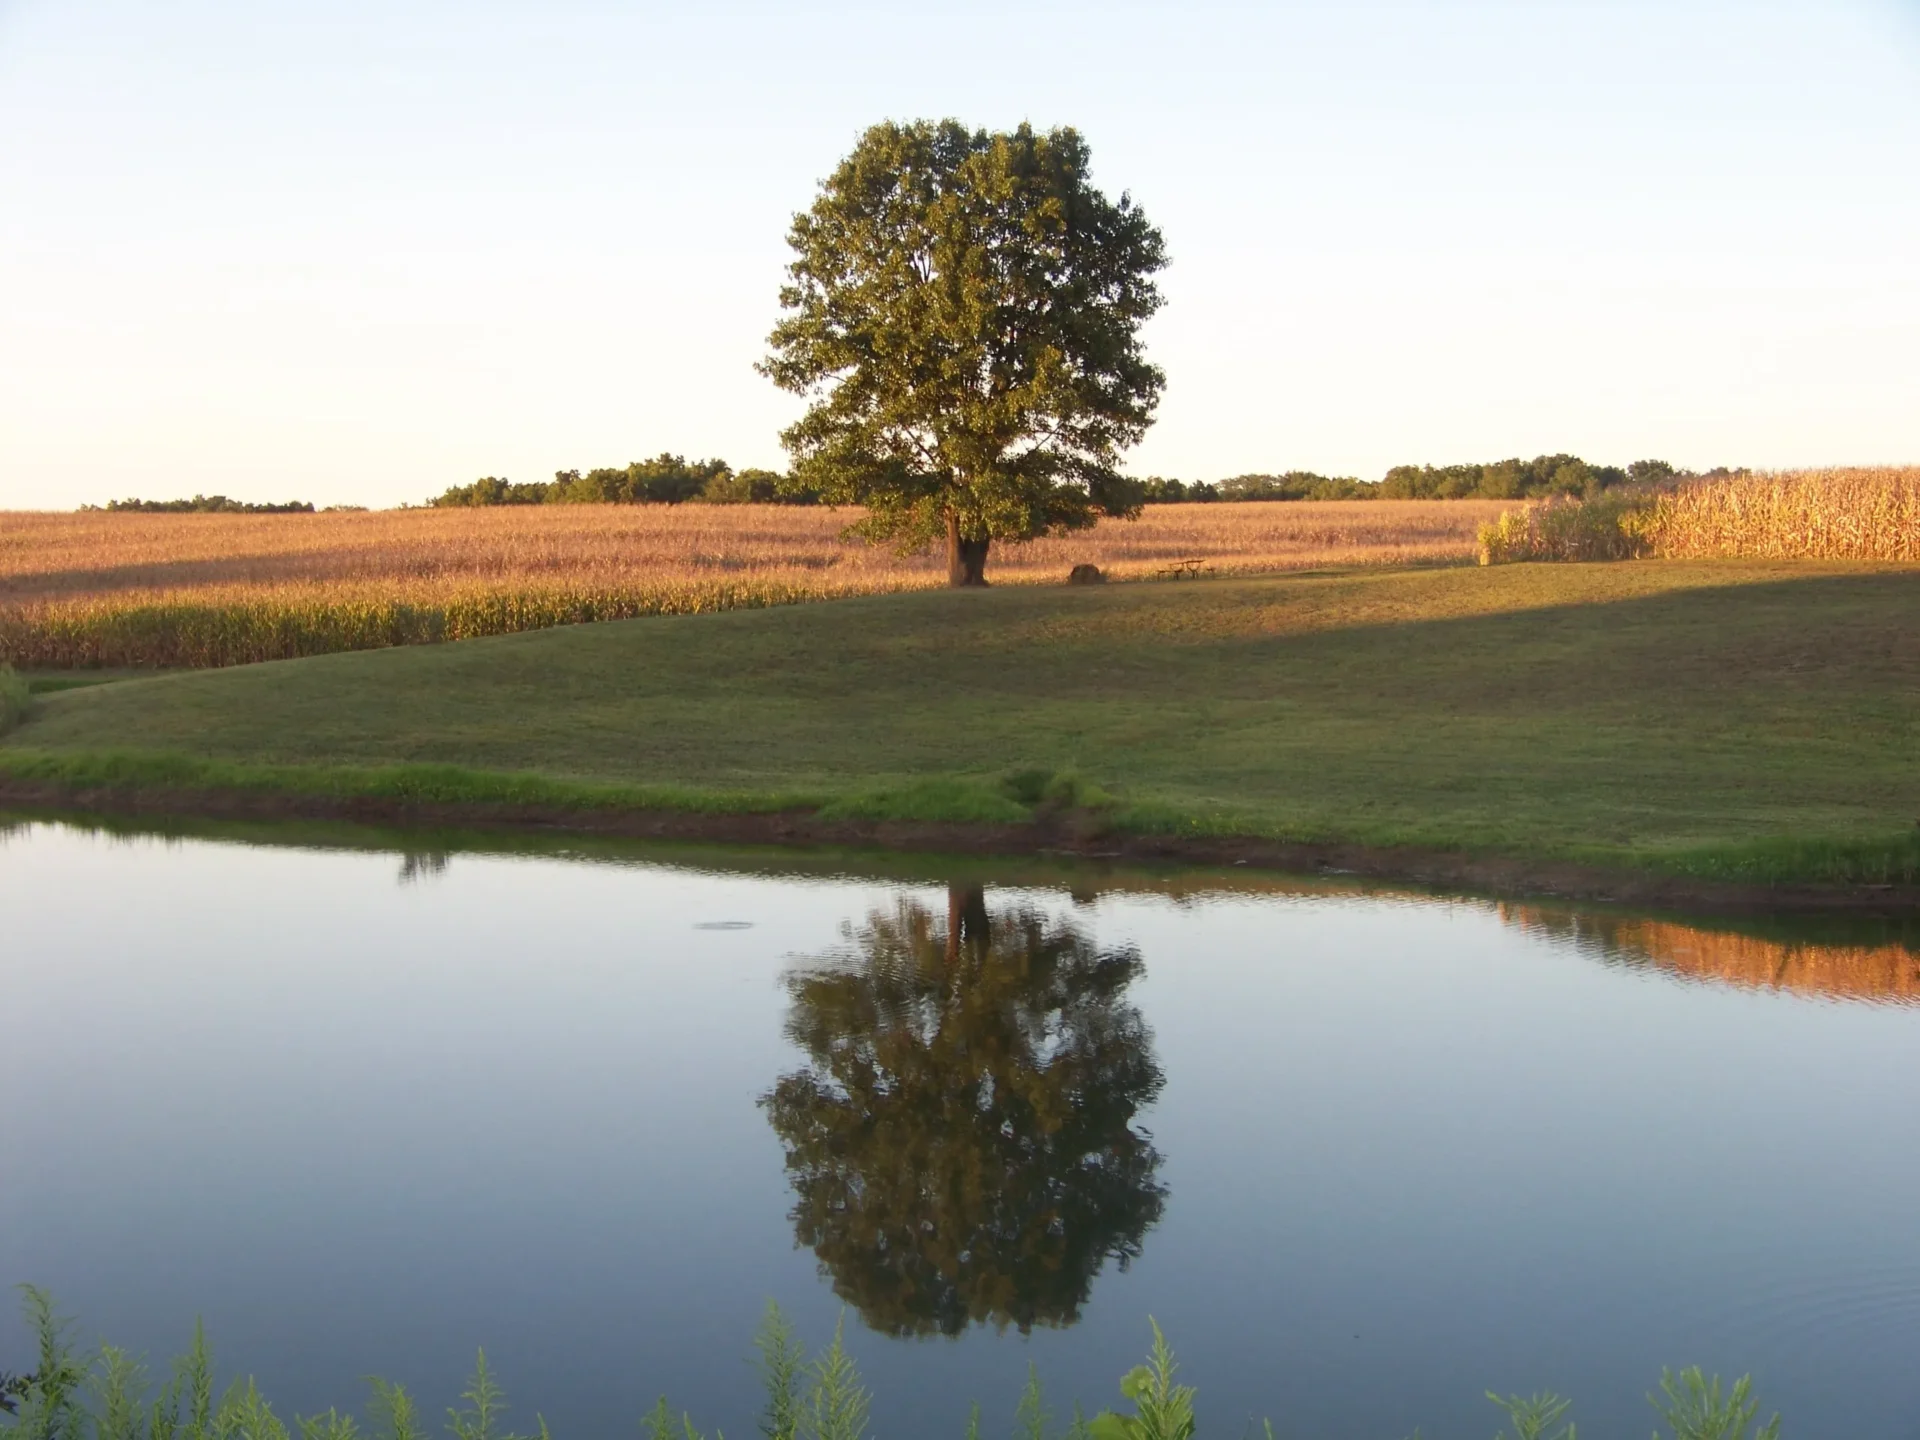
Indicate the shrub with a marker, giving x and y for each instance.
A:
(1609, 527)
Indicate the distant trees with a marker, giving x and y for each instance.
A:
(1294, 485)
(669, 479)
(664, 480)
(963, 316)
(206, 505)
(1501, 479)
(1513, 479)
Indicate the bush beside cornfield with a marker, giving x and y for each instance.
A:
(1838, 514)
(203, 590)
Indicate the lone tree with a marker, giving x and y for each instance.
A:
(964, 313)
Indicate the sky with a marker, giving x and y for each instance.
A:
(358, 252)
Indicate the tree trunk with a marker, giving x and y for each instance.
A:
(967, 924)
(966, 559)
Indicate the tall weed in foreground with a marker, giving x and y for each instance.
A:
(1694, 1407)
(1534, 1416)
(14, 698)
(107, 1396)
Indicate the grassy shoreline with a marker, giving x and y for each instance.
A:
(955, 818)
(1700, 723)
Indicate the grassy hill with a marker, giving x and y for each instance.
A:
(1634, 711)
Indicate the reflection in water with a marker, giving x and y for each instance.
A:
(961, 1145)
(1887, 972)
(418, 865)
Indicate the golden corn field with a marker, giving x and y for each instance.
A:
(1840, 514)
(1886, 973)
(96, 589)
(1855, 514)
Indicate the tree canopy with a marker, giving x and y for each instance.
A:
(962, 1144)
(963, 313)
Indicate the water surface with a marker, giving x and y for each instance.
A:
(1362, 1155)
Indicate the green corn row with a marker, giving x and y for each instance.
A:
(102, 634)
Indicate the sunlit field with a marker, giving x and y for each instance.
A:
(99, 589)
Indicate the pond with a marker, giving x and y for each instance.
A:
(1363, 1155)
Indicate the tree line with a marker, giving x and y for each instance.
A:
(664, 480)
(205, 505)
(1514, 479)
(673, 480)
(670, 479)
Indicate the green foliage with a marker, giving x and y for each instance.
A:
(1503, 479)
(664, 480)
(330, 1426)
(1296, 485)
(65, 1398)
(1030, 1415)
(492, 490)
(755, 487)
(391, 1413)
(1611, 526)
(837, 1404)
(1163, 1410)
(1054, 790)
(486, 1403)
(781, 1361)
(659, 1423)
(1534, 1416)
(206, 505)
(50, 1400)
(1162, 490)
(1516, 479)
(1694, 1407)
(118, 1386)
(184, 1410)
(15, 697)
(963, 315)
(244, 1414)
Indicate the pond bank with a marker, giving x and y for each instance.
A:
(1077, 835)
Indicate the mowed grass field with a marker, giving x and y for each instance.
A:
(1629, 711)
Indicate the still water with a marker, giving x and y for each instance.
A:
(1362, 1156)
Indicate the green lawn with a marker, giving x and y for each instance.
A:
(1619, 709)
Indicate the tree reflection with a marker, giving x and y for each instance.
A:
(961, 1145)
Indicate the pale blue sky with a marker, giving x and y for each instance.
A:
(358, 252)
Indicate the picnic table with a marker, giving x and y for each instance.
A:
(1190, 568)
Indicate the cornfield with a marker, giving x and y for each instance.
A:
(1858, 514)
(1844, 514)
(130, 590)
